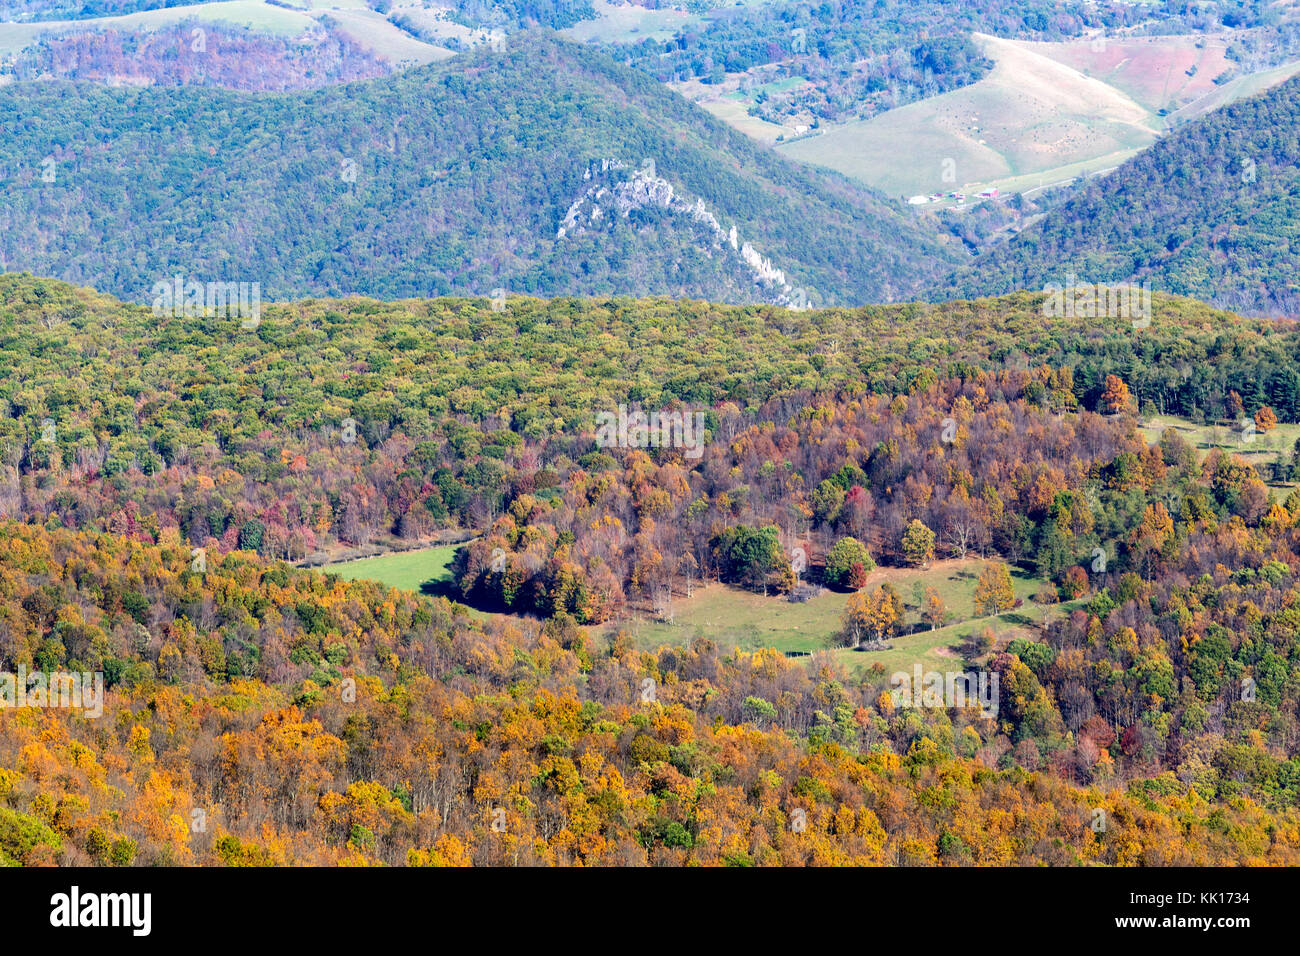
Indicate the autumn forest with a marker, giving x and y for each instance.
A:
(169, 485)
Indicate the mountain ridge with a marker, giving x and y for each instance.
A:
(1209, 211)
(365, 188)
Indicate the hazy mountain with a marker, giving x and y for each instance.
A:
(546, 168)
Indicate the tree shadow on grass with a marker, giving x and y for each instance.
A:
(441, 587)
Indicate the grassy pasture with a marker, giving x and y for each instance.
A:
(379, 36)
(250, 13)
(1031, 115)
(1259, 451)
(628, 23)
(405, 570)
(732, 617)
(735, 618)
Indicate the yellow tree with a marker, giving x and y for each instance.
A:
(1116, 398)
(875, 614)
(1265, 419)
(994, 593)
(1155, 530)
(918, 543)
(935, 609)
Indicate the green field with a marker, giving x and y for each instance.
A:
(732, 617)
(406, 570)
(1260, 451)
(735, 113)
(735, 618)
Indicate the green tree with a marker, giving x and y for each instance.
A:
(840, 561)
(918, 544)
(753, 558)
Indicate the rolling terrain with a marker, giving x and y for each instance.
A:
(1046, 113)
(588, 482)
(1210, 211)
(586, 178)
(982, 469)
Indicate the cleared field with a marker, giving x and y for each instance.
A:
(370, 30)
(377, 35)
(1240, 88)
(1047, 113)
(730, 103)
(1033, 182)
(431, 21)
(1259, 450)
(406, 570)
(628, 23)
(330, 4)
(1158, 73)
(1030, 115)
(735, 114)
(732, 617)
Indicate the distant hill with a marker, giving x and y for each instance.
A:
(1211, 211)
(232, 57)
(546, 168)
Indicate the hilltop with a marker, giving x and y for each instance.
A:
(546, 168)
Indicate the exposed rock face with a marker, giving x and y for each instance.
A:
(618, 189)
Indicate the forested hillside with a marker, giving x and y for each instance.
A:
(156, 466)
(544, 169)
(120, 419)
(1210, 211)
(262, 715)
